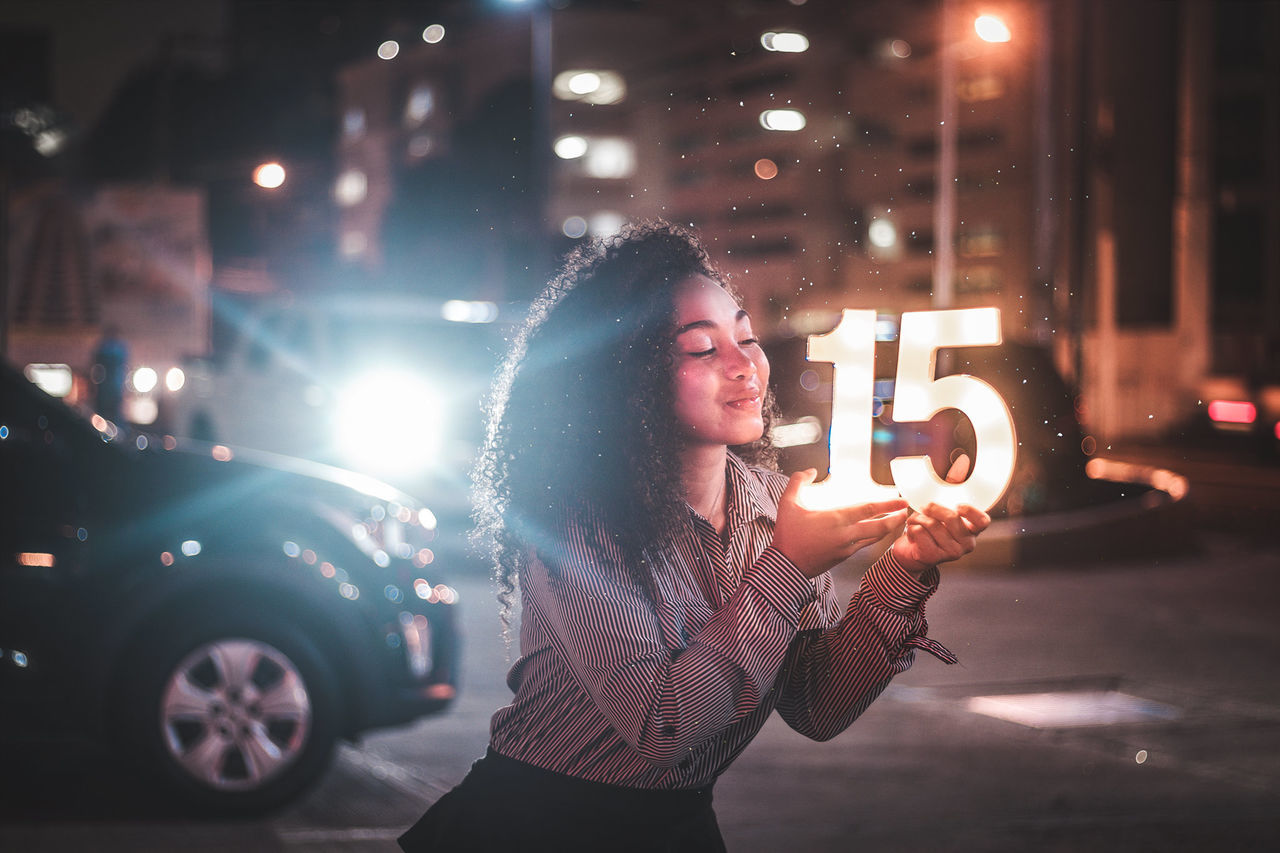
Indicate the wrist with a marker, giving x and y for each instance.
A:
(911, 566)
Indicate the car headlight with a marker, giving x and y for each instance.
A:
(390, 422)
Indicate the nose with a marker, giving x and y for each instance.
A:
(740, 365)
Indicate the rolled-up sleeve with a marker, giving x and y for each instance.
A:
(832, 676)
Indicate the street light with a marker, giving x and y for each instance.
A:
(989, 28)
(269, 176)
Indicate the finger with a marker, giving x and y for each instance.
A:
(875, 508)
(931, 530)
(959, 469)
(875, 529)
(977, 519)
(955, 525)
(798, 481)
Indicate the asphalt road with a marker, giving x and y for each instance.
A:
(1143, 692)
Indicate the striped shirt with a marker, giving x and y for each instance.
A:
(612, 689)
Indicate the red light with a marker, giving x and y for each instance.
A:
(1232, 412)
(1277, 430)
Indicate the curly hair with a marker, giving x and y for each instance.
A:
(581, 419)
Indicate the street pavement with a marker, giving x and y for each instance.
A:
(1117, 704)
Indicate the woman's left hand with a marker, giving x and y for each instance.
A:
(938, 534)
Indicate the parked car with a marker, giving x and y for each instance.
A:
(224, 616)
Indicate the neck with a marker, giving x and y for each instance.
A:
(704, 482)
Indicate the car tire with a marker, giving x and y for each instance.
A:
(235, 715)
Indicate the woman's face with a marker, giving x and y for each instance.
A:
(720, 374)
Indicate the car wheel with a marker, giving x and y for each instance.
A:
(239, 715)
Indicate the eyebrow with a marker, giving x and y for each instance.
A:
(706, 324)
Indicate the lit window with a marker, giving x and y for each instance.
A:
(882, 233)
(591, 86)
(988, 87)
(584, 83)
(570, 147)
(353, 122)
(419, 105)
(785, 42)
(351, 188)
(610, 157)
(606, 223)
(782, 120)
(980, 243)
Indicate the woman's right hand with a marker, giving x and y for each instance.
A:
(817, 540)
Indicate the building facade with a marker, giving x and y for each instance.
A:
(805, 142)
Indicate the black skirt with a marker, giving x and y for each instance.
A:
(507, 805)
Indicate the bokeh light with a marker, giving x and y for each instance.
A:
(269, 175)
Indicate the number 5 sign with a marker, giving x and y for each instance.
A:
(918, 396)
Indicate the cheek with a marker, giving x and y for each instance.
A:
(690, 390)
(762, 369)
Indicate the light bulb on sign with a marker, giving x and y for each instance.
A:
(918, 396)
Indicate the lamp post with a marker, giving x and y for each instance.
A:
(540, 66)
(991, 29)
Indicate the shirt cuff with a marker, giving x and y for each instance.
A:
(894, 588)
(781, 584)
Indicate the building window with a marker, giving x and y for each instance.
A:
(353, 123)
(351, 188)
(980, 279)
(982, 242)
(590, 86)
(606, 157)
(986, 87)
(419, 105)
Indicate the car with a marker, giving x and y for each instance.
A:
(223, 616)
(1237, 413)
(384, 383)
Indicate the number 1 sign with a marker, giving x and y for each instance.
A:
(918, 396)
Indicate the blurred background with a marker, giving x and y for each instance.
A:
(297, 224)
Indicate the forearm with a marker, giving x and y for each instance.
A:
(663, 690)
(834, 675)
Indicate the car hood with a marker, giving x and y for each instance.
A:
(253, 476)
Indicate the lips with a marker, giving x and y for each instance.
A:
(750, 402)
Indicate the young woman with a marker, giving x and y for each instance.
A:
(674, 588)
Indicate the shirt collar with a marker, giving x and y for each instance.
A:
(748, 499)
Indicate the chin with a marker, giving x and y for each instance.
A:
(747, 437)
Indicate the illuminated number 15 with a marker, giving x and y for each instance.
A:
(918, 396)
